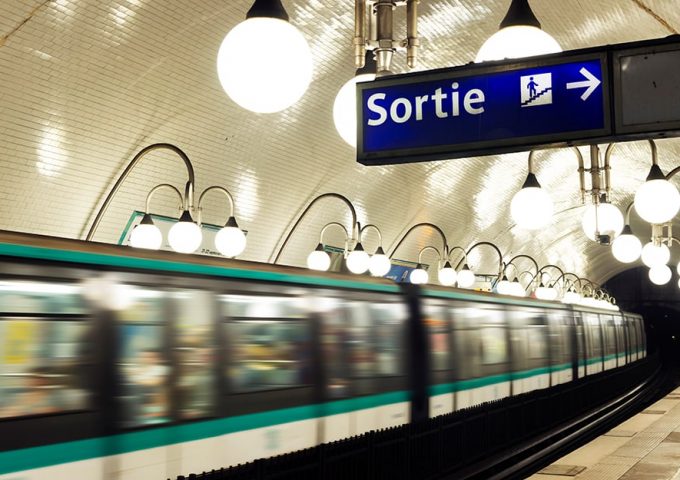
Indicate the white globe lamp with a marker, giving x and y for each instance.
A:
(660, 274)
(517, 289)
(230, 241)
(379, 265)
(185, 236)
(504, 287)
(318, 259)
(626, 248)
(657, 201)
(264, 63)
(571, 297)
(520, 35)
(531, 207)
(345, 105)
(466, 278)
(358, 260)
(419, 276)
(602, 219)
(447, 275)
(653, 255)
(146, 234)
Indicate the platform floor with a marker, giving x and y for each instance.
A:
(644, 447)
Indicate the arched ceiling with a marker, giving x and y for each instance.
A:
(86, 84)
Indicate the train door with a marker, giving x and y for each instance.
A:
(529, 350)
(481, 355)
(364, 354)
(580, 359)
(560, 346)
(438, 326)
(270, 366)
(593, 336)
(609, 342)
(621, 347)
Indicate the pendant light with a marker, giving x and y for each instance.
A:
(657, 201)
(602, 220)
(264, 63)
(520, 35)
(660, 274)
(146, 234)
(447, 275)
(318, 259)
(419, 276)
(531, 207)
(185, 236)
(626, 247)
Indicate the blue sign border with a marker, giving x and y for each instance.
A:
(470, 149)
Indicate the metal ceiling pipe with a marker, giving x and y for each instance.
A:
(359, 41)
(412, 41)
(385, 43)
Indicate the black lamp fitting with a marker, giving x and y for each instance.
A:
(520, 13)
(267, 8)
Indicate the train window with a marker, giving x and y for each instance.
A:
(560, 338)
(143, 366)
(41, 367)
(376, 348)
(269, 341)
(593, 336)
(335, 346)
(537, 347)
(438, 328)
(494, 346)
(195, 353)
(40, 297)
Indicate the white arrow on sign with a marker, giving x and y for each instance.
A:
(591, 83)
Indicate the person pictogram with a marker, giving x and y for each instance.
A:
(532, 87)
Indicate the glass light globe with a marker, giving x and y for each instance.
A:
(657, 201)
(504, 287)
(230, 241)
(627, 248)
(419, 276)
(546, 293)
(358, 260)
(678, 282)
(318, 260)
(447, 275)
(660, 274)
(571, 297)
(677, 268)
(466, 278)
(653, 255)
(185, 236)
(146, 236)
(264, 64)
(517, 289)
(517, 41)
(345, 108)
(379, 264)
(609, 220)
(531, 208)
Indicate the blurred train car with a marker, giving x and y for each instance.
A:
(128, 364)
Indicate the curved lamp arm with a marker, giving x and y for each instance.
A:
(188, 201)
(334, 224)
(160, 187)
(217, 189)
(377, 230)
(581, 170)
(422, 250)
(355, 225)
(448, 257)
(425, 224)
(512, 260)
(564, 276)
(500, 256)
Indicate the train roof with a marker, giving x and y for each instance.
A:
(61, 250)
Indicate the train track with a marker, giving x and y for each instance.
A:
(530, 456)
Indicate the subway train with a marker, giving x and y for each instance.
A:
(131, 364)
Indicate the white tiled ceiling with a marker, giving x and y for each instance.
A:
(86, 84)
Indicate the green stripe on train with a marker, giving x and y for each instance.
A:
(47, 455)
(71, 256)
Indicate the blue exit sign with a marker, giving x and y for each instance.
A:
(479, 109)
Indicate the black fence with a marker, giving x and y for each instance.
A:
(445, 444)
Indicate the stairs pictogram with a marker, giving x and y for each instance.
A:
(536, 95)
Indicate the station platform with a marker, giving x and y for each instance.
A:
(644, 447)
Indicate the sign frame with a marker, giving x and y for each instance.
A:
(488, 147)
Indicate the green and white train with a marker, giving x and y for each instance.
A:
(127, 364)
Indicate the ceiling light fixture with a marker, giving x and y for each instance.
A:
(520, 35)
(265, 48)
(627, 248)
(660, 274)
(602, 220)
(531, 207)
(657, 201)
(230, 241)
